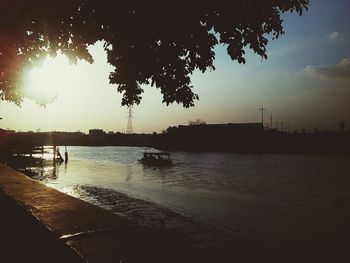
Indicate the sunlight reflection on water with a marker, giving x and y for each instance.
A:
(285, 200)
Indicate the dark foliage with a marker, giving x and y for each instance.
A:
(151, 42)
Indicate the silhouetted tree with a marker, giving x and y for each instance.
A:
(197, 122)
(152, 42)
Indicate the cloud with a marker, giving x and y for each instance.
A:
(341, 70)
(333, 36)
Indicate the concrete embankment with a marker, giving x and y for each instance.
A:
(38, 222)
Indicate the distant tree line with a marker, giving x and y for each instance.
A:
(251, 138)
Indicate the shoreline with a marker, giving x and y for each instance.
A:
(150, 214)
(98, 235)
(25, 239)
(301, 215)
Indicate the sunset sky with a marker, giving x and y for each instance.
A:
(305, 83)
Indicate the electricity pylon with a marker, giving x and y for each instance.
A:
(129, 126)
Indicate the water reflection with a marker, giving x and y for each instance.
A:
(157, 173)
(128, 173)
(260, 194)
(48, 167)
(48, 171)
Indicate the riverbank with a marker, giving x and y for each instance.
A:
(25, 239)
(60, 227)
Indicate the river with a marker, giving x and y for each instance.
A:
(293, 203)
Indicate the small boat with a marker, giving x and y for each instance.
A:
(156, 159)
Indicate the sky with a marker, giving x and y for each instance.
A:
(304, 84)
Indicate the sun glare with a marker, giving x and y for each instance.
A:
(46, 83)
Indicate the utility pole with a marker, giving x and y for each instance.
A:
(262, 115)
(271, 121)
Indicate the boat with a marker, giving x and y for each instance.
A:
(156, 158)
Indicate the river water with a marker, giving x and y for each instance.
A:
(293, 203)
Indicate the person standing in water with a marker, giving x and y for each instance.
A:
(66, 155)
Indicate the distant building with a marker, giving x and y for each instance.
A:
(221, 137)
(6, 138)
(96, 132)
(231, 127)
(6, 132)
(96, 136)
(2, 131)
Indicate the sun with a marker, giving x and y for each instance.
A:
(46, 83)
